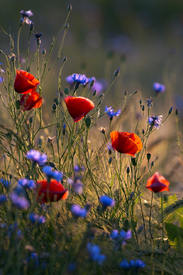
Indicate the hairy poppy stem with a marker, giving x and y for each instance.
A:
(150, 217)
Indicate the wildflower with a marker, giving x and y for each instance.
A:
(78, 107)
(111, 113)
(77, 185)
(5, 183)
(52, 174)
(34, 257)
(36, 157)
(30, 184)
(31, 101)
(78, 169)
(149, 102)
(78, 211)
(133, 264)
(79, 79)
(19, 201)
(25, 82)
(35, 218)
(25, 16)
(1, 74)
(126, 143)
(98, 86)
(50, 191)
(107, 201)
(3, 199)
(121, 236)
(158, 88)
(157, 183)
(94, 251)
(70, 80)
(37, 36)
(155, 121)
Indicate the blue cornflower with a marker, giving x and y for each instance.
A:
(70, 80)
(25, 16)
(3, 199)
(30, 184)
(77, 168)
(79, 79)
(111, 113)
(78, 211)
(35, 258)
(158, 88)
(36, 157)
(35, 218)
(133, 264)
(5, 183)
(1, 73)
(52, 174)
(94, 251)
(19, 201)
(121, 236)
(155, 121)
(107, 201)
(76, 183)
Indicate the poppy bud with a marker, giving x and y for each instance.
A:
(148, 156)
(56, 101)
(64, 59)
(135, 92)
(67, 26)
(31, 26)
(125, 93)
(99, 103)
(143, 107)
(87, 122)
(152, 163)
(66, 91)
(63, 131)
(140, 102)
(17, 104)
(13, 58)
(69, 8)
(116, 73)
(110, 160)
(101, 95)
(54, 106)
(133, 160)
(128, 170)
(94, 93)
(177, 112)
(143, 132)
(30, 120)
(43, 51)
(92, 82)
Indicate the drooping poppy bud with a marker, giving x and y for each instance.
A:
(25, 82)
(78, 107)
(126, 143)
(50, 191)
(157, 183)
(30, 101)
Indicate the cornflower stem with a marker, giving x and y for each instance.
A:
(38, 61)
(150, 217)
(18, 47)
(28, 48)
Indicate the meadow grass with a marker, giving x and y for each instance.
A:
(109, 218)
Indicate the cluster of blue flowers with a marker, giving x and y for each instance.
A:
(107, 201)
(5, 183)
(111, 113)
(35, 218)
(155, 121)
(94, 252)
(36, 157)
(79, 212)
(50, 173)
(30, 184)
(133, 264)
(121, 236)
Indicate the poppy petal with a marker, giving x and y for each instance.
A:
(30, 101)
(78, 107)
(25, 82)
(157, 183)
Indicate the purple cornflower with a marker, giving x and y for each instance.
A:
(149, 102)
(1, 73)
(78, 211)
(25, 16)
(5, 183)
(35, 218)
(79, 79)
(133, 264)
(94, 251)
(36, 157)
(158, 88)
(19, 201)
(111, 113)
(155, 121)
(121, 236)
(107, 201)
(98, 86)
(78, 169)
(76, 184)
(70, 80)
(52, 174)
(30, 184)
(3, 199)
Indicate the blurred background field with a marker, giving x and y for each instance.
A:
(143, 38)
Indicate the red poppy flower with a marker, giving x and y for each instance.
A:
(52, 191)
(157, 183)
(78, 107)
(25, 82)
(30, 101)
(126, 143)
